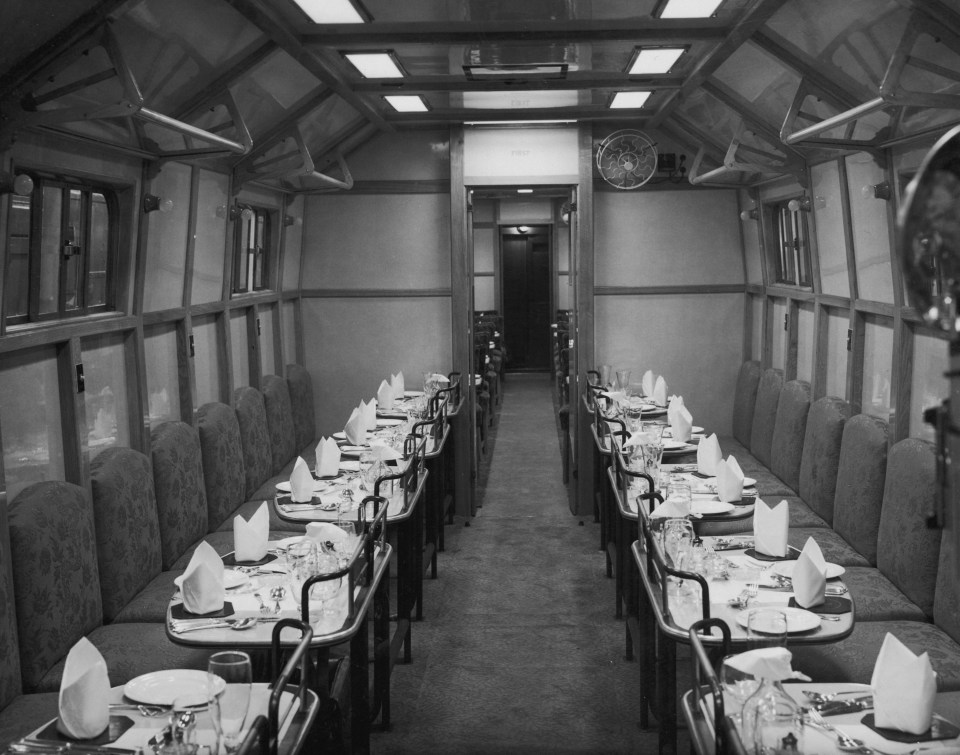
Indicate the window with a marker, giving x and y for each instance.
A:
(252, 245)
(61, 251)
(792, 253)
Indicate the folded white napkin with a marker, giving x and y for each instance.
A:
(327, 458)
(729, 480)
(708, 455)
(439, 377)
(660, 391)
(250, 538)
(324, 532)
(84, 693)
(385, 396)
(301, 482)
(617, 397)
(770, 526)
(904, 688)
(368, 410)
(647, 382)
(673, 509)
(202, 583)
(383, 451)
(356, 428)
(810, 576)
(396, 382)
(681, 423)
(767, 663)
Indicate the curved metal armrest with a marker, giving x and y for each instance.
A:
(705, 679)
(662, 568)
(299, 658)
(593, 374)
(257, 739)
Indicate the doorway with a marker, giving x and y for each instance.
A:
(525, 262)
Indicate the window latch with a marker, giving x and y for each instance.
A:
(849, 339)
(193, 351)
(786, 321)
(81, 383)
(70, 250)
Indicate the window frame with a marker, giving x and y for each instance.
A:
(65, 184)
(790, 252)
(246, 259)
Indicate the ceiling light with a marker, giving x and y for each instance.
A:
(545, 122)
(407, 103)
(524, 191)
(334, 11)
(375, 65)
(628, 100)
(687, 8)
(654, 59)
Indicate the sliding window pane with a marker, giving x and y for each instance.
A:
(805, 342)
(238, 343)
(210, 244)
(167, 240)
(877, 366)
(206, 364)
(268, 359)
(106, 392)
(50, 254)
(831, 242)
(30, 419)
(928, 386)
(163, 370)
(99, 256)
(16, 292)
(838, 323)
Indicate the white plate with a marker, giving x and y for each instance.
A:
(749, 482)
(413, 393)
(349, 466)
(798, 619)
(711, 507)
(233, 578)
(353, 450)
(674, 445)
(163, 687)
(284, 486)
(340, 435)
(668, 433)
(282, 545)
(785, 569)
(389, 422)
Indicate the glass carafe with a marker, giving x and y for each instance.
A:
(772, 721)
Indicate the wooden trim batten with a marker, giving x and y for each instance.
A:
(720, 288)
(376, 293)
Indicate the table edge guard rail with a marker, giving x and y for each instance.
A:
(360, 570)
(298, 658)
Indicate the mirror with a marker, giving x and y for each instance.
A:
(929, 229)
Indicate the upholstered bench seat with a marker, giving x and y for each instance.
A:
(26, 713)
(835, 549)
(877, 598)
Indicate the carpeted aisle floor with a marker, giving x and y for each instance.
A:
(519, 651)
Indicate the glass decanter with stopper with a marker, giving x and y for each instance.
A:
(773, 722)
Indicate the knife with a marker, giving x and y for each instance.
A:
(839, 707)
(39, 746)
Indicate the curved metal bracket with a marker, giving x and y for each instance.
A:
(732, 165)
(258, 167)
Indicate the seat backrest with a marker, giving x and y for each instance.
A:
(765, 414)
(127, 528)
(789, 432)
(821, 454)
(301, 405)
(56, 580)
(744, 401)
(224, 480)
(10, 685)
(946, 603)
(257, 456)
(276, 401)
(907, 550)
(178, 487)
(861, 471)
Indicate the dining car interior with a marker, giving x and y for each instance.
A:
(479, 376)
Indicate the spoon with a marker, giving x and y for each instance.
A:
(278, 593)
(238, 625)
(147, 711)
(828, 618)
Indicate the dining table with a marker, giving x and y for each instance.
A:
(257, 594)
(137, 723)
(844, 707)
(670, 606)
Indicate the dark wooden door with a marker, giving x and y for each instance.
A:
(526, 298)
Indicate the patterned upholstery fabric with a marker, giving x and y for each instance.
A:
(150, 604)
(55, 575)
(26, 714)
(786, 448)
(821, 454)
(278, 527)
(301, 404)
(946, 604)
(223, 472)
(860, 475)
(765, 415)
(801, 515)
(9, 651)
(853, 659)
(276, 399)
(744, 401)
(835, 549)
(907, 550)
(877, 599)
(128, 533)
(221, 540)
(178, 485)
(254, 437)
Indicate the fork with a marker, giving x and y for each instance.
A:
(844, 741)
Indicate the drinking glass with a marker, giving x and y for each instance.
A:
(751, 577)
(229, 708)
(623, 380)
(323, 593)
(302, 564)
(739, 685)
(766, 628)
(680, 494)
(633, 417)
(677, 540)
(652, 454)
(605, 375)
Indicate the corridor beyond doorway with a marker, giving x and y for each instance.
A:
(525, 262)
